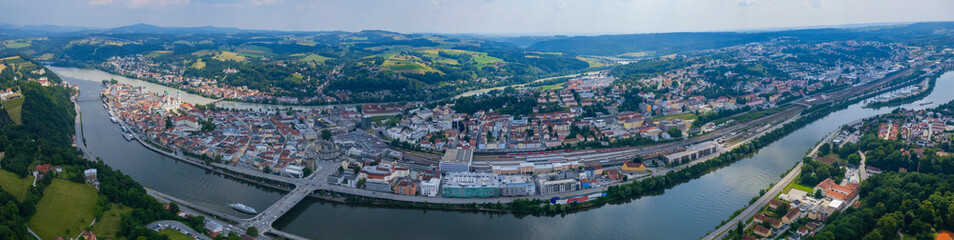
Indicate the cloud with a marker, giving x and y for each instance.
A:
(746, 3)
(139, 3)
(264, 2)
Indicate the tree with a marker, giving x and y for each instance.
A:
(675, 133)
(326, 134)
(854, 158)
(360, 183)
(819, 194)
(252, 231)
(824, 149)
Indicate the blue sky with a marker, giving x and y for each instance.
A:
(574, 17)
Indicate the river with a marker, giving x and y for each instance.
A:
(686, 211)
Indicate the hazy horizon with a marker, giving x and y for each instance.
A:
(489, 17)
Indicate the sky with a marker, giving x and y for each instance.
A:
(506, 17)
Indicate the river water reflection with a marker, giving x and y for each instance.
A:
(687, 211)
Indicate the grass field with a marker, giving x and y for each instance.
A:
(315, 58)
(684, 116)
(385, 120)
(484, 59)
(481, 58)
(226, 56)
(15, 185)
(107, 226)
(748, 116)
(174, 235)
(198, 64)
(14, 108)
(157, 53)
(593, 62)
(794, 185)
(65, 209)
(550, 87)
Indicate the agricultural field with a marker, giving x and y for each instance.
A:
(202, 53)
(16, 44)
(44, 57)
(14, 108)
(406, 63)
(254, 52)
(198, 64)
(107, 226)
(315, 58)
(16, 60)
(15, 185)
(637, 54)
(66, 209)
(157, 53)
(226, 56)
(2, 66)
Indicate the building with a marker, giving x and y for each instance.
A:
(841, 192)
(759, 218)
(791, 216)
(762, 231)
(456, 160)
(294, 171)
(406, 187)
(694, 152)
(377, 186)
(430, 187)
(383, 173)
(548, 187)
(517, 185)
(634, 167)
(87, 235)
(470, 185)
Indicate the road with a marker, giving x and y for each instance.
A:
(862, 170)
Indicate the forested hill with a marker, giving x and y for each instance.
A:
(658, 44)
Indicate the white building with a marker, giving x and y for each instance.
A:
(430, 188)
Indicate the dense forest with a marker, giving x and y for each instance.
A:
(893, 204)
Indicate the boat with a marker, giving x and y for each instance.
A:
(114, 119)
(129, 136)
(104, 106)
(925, 103)
(124, 128)
(243, 208)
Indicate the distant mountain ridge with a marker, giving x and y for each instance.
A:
(665, 43)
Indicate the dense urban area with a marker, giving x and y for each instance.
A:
(424, 121)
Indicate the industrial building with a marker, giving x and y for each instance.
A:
(456, 160)
(470, 185)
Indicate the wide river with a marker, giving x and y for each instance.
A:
(687, 211)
